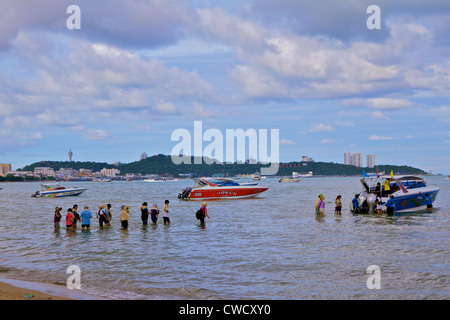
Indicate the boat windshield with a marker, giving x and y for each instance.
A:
(412, 182)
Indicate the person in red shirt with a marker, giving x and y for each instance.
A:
(69, 218)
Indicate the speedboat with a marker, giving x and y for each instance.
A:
(289, 179)
(221, 189)
(102, 180)
(302, 175)
(411, 193)
(56, 190)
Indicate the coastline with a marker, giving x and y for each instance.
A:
(25, 290)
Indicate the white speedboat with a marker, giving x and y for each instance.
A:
(302, 175)
(411, 193)
(55, 190)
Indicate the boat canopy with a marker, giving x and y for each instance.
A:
(403, 182)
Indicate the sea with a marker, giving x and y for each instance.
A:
(269, 247)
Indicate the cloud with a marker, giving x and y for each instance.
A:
(379, 103)
(96, 134)
(345, 123)
(286, 142)
(320, 127)
(132, 23)
(377, 138)
(379, 115)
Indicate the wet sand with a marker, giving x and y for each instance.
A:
(25, 290)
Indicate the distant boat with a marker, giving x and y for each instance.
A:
(289, 179)
(158, 180)
(302, 175)
(55, 190)
(102, 180)
(256, 177)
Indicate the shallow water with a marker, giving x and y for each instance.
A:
(269, 247)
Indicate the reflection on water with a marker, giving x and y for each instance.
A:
(270, 247)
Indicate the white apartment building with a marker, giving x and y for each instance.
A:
(370, 160)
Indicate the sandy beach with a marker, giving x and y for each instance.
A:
(25, 290)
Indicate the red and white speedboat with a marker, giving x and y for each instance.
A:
(221, 189)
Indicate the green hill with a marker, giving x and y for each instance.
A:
(162, 164)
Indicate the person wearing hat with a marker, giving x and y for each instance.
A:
(321, 205)
(57, 217)
(316, 205)
(124, 216)
(204, 212)
(154, 211)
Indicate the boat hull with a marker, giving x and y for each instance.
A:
(59, 193)
(225, 193)
(412, 202)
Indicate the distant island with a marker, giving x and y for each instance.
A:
(162, 165)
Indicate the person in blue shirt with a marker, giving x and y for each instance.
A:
(390, 205)
(429, 202)
(355, 204)
(86, 216)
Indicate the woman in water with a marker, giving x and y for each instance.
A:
(144, 213)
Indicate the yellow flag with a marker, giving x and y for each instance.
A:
(392, 174)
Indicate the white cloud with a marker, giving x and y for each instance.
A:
(286, 142)
(96, 134)
(327, 141)
(379, 115)
(376, 138)
(320, 127)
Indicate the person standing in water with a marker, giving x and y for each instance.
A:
(69, 219)
(108, 215)
(355, 204)
(124, 216)
(57, 217)
(202, 213)
(76, 216)
(144, 213)
(86, 216)
(429, 202)
(390, 205)
(338, 205)
(154, 212)
(316, 205)
(166, 212)
(321, 206)
(101, 215)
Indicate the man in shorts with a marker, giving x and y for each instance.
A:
(86, 216)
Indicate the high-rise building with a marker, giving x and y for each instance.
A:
(370, 160)
(357, 159)
(347, 158)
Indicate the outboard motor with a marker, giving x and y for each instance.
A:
(362, 200)
(371, 202)
(185, 193)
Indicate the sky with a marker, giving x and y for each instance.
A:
(138, 70)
